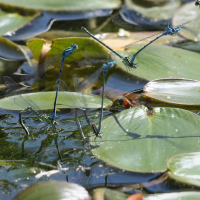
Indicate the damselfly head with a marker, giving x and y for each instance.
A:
(107, 66)
(69, 50)
(197, 3)
(74, 46)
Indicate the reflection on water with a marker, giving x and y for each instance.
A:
(50, 155)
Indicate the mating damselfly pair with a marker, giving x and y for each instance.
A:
(129, 63)
(61, 86)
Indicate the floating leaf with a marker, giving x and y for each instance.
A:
(10, 50)
(11, 21)
(141, 140)
(59, 45)
(69, 67)
(185, 168)
(46, 20)
(35, 46)
(105, 193)
(188, 12)
(119, 41)
(158, 61)
(63, 5)
(175, 196)
(189, 45)
(174, 91)
(44, 100)
(54, 190)
(155, 13)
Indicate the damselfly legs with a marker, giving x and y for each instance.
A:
(25, 101)
(90, 80)
(125, 60)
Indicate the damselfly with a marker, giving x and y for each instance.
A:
(167, 31)
(90, 80)
(76, 100)
(126, 61)
(25, 101)
(36, 72)
(65, 53)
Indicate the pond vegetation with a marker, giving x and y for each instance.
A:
(99, 99)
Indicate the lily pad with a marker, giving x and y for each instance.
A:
(158, 61)
(11, 21)
(188, 13)
(185, 168)
(105, 193)
(155, 13)
(135, 139)
(45, 100)
(54, 190)
(174, 196)
(58, 45)
(35, 47)
(44, 22)
(69, 67)
(189, 45)
(63, 5)
(10, 50)
(124, 38)
(174, 91)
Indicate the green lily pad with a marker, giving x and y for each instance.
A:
(54, 190)
(157, 12)
(189, 45)
(185, 168)
(45, 100)
(10, 50)
(11, 21)
(60, 44)
(175, 196)
(124, 38)
(105, 193)
(188, 13)
(63, 5)
(141, 140)
(158, 61)
(173, 91)
(69, 67)
(35, 47)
